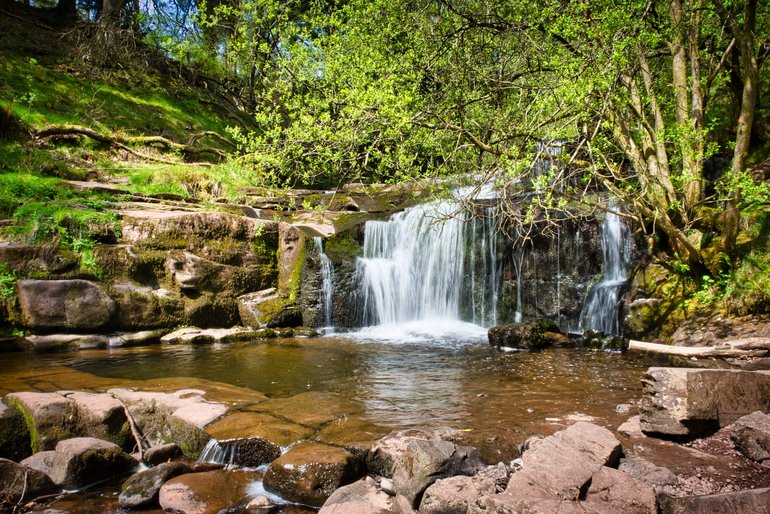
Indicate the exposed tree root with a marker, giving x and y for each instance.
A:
(122, 142)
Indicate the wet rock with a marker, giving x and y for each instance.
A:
(14, 434)
(161, 453)
(65, 342)
(360, 497)
(455, 494)
(424, 462)
(525, 336)
(288, 316)
(312, 408)
(251, 451)
(561, 465)
(613, 491)
(64, 304)
(599, 341)
(387, 450)
(51, 416)
(19, 483)
(141, 338)
(204, 493)
(647, 472)
(103, 417)
(309, 472)
(751, 435)
(84, 460)
(752, 501)
(256, 437)
(143, 488)
(688, 402)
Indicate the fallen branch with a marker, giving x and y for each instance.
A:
(748, 347)
(141, 441)
(123, 142)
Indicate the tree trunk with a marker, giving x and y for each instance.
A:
(744, 35)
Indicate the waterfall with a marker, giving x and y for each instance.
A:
(432, 265)
(602, 308)
(217, 453)
(327, 283)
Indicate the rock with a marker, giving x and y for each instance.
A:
(161, 453)
(103, 417)
(28, 259)
(312, 408)
(64, 304)
(65, 342)
(712, 330)
(752, 501)
(631, 428)
(41, 461)
(251, 451)
(309, 472)
(19, 483)
(142, 307)
(143, 488)
(613, 491)
(687, 402)
(751, 435)
(525, 336)
(257, 309)
(14, 434)
(194, 335)
(387, 450)
(647, 472)
(288, 316)
(204, 493)
(51, 416)
(259, 435)
(561, 465)
(360, 497)
(84, 460)
(424, 462)
(455, 494)
(141, 338)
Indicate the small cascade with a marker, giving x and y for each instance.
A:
(601, 310)
(432, 264)
(217, 453)
(327, 283)
(518, 263)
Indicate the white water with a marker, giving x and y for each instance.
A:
(327, 283)
(429, 272)
(601, 310)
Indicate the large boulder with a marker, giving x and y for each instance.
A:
(751, 435)
(50, 417)
(557, 471)
(19, 483)
(683, 402)
(64, 304)
(362, 497)
(208, 492)
(752, 501)
(141, 307)
(102, 416)
(387, 450)
(613, 491)
(309, 472)
(14, 434)
(84, 460)
(143, 488)
(267, 308)
(424, 462)
(454, 495)
(525, 336)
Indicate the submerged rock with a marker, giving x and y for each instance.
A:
(310, 472)
(688, 402)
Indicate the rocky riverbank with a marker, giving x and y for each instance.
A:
(316, 450)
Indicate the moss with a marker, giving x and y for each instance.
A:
(190, 439)
(34, 437)
(341, 248)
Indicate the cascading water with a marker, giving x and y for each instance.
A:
(425, 272)
(327, 283)
(601, 310)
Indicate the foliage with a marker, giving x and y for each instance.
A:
(7, 282)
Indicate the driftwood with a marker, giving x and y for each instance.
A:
(746, 347)
(122, 142)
